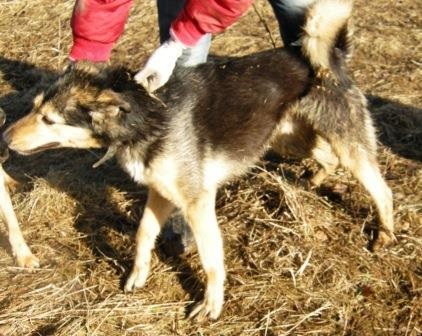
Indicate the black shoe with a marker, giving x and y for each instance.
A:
(176, 238)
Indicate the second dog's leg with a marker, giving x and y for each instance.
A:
(156, 212)
(202, 218)
(20, 249)
(324, 155)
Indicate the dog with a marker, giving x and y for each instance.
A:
(209, 124)
(20, 249)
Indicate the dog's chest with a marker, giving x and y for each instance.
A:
(135, 169)
(161, 175)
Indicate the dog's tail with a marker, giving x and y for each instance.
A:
(334, 106)
(326, 39)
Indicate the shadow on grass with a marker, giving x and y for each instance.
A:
(399, 126)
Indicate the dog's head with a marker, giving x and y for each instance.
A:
(80, 110)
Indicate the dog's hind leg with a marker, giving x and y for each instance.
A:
(296, 138)
(324, 155)
(363, 165)
(203, 221)
(20, 249)
(157, 211)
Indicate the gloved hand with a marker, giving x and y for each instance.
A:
(160, 65)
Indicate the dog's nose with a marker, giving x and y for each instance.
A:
(2, 117)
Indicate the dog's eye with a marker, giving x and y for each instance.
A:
(47, 120)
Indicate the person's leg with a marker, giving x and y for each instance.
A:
(167, 12)
(176, 237)
(290, 17)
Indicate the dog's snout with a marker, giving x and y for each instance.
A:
(2, 117)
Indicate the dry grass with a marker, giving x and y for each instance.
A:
(297, 260)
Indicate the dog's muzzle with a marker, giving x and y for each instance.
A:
(50, 145)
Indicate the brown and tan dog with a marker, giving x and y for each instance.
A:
(209, 124)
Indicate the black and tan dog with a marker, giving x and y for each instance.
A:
(209, 124)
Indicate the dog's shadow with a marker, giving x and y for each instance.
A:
(399, 125)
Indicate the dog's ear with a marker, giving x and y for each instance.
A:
(113, 101)
(38, 100)
(108, 106)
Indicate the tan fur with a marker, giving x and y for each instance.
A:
(202, 218)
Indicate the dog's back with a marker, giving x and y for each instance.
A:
(235, 106)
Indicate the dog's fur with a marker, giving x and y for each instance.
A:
(209, 124)
(20, 249)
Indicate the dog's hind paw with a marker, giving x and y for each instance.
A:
(28, 261)
(384, 240)
(136, 279)
(207, 308)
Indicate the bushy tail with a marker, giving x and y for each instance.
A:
(334, 106)
(325, 30)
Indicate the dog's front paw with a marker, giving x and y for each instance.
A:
(137, 278)
(210, 307)
(27, 261)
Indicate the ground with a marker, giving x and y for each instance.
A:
(297, 259)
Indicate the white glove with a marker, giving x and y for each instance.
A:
(160, 65)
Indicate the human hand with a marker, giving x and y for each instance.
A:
(160, 65)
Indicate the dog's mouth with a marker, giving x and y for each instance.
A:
(39, 149)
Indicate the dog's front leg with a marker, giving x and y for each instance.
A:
(156, 212)
(20, 250)
(203, 221)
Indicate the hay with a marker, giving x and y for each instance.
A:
(296, 259)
